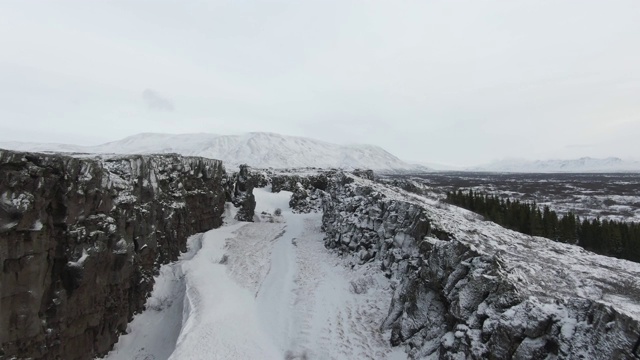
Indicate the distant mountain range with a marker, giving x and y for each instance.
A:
(585, 164)
(269, 150)
(256, 149)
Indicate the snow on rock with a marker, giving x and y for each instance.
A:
(37, 225)
(80, 262)
(500, 293)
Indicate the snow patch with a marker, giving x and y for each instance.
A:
(37, 225)
(80, 262)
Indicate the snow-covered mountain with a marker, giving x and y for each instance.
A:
(585, 164)
(270, 150)
(257, 149)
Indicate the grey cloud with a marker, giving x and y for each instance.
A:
(580, 146)
(423, 79)
(157, 102)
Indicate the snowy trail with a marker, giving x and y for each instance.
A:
(220, 317)
(263, 290)
(275, 296)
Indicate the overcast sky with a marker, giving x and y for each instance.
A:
(451, 82)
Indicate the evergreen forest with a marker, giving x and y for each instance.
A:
(605, 237)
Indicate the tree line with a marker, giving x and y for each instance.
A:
(605, 237)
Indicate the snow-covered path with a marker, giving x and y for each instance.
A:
(275, 297)
(262, 290)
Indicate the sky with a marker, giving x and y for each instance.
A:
(445, 82)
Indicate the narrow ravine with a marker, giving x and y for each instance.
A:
(263, 290)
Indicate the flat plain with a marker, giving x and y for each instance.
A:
(612, 196)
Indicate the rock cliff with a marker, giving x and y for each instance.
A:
(469, 289)
(81, 238)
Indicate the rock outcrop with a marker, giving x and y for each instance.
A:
(242, 194)
(81, 238)
(308, 190)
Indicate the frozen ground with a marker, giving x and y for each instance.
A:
(262, 290)
(614, 196)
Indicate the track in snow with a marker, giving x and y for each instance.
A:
(278, 294)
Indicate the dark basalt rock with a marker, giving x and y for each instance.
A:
(289, 182)
(81, 238)
(243, 197)
(365, 174)
(308, 191)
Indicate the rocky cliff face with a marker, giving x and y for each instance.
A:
(469, 289)
(80, 239)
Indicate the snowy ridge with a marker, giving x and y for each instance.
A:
(257, 149)
(585, 164)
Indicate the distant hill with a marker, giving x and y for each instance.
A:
(258, 149)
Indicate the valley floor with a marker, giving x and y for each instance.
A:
(262, 290)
